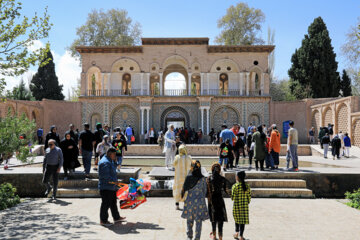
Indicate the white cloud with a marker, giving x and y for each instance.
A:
(35, 45)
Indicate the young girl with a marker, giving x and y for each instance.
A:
(195, 204)
(217, 211)
(241, 195)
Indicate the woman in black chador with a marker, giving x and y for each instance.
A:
(217, 211)
(70, 153)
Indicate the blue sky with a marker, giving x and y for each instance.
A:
(160, 18)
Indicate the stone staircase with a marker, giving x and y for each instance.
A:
(78, 188)
(279, 188)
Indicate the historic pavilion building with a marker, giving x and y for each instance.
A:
(122, 85)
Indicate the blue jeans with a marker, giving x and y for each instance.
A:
(129, 140)
(86, 156)
(293, 155)
(119, 160)
(225, 161)
(269, 160)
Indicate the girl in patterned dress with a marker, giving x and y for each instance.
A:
(195, 209)
(241, 195)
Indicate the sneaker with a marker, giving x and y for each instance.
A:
(53, 198)
(224, 169)
(47, 191)
(121, 219)
(106, 224)
(117, 170)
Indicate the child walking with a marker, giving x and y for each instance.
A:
(241, 195)
(224, 152)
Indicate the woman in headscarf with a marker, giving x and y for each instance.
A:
(182, 166)
(259, 138)
(217, 211)
(195, 204)
(52, 135)
(70, 153)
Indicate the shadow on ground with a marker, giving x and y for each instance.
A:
(32, 220)
(131, 228)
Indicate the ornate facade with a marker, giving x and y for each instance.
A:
(223, 84)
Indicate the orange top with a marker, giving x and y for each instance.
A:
(275, 143)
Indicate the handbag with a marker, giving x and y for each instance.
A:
(132, 138)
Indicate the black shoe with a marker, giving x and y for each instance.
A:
(257, 169)
(53, 198)
(272, 168)
(262, 169)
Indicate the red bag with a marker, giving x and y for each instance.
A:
(132, 139)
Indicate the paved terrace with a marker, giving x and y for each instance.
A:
(157, 219)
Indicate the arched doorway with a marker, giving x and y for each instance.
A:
(176, 116)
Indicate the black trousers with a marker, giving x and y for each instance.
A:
(251, 155)
(108, 200)
(220, 227)
(261, 164)
(51, 170)
(240, 228)
(40, 139)
(231, 161)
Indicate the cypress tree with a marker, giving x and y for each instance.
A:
(345, 85)
(314, 68)
(45, 83)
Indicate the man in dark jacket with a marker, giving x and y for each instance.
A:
(86, 147)
(336, 145)
(99, 135)
(322, 133)
(107, 174)
(52, 135)
(53, 161)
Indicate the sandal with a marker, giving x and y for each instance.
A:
(236, 236)
(212, 236)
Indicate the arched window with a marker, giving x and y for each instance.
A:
(257, 82)
(224, 84)
(175, 84)
(126, 84)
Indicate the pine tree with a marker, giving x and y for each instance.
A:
(45, 83)
(20, 92)
(345, 85)
(314, 68)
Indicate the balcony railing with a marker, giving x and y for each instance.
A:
(173, 92)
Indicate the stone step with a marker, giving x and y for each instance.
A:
(77, 193)
(276, 183)
(78, 183)
(281, 193)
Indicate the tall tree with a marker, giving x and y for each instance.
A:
(20, 92)
(17, 36)
(45, 83)
(345, 84)
(241, 25)
(314, 68)
(351, 51)
(110, 28)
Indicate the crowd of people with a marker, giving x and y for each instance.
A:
(64, 153)
(340, 143)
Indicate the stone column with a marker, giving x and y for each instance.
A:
(208, 120)
(109, 84)
(207, 83)
(142, 120)
(247, 83)
(262, 84)
(202, 118)
(161, 83)
(148, 83)
(241, 81)
(84, 84)
(141, 84)
(102, 83)
(189, 84)
(202, 83)
(148, 118)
